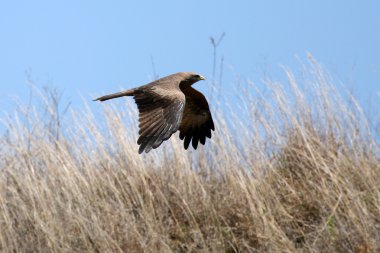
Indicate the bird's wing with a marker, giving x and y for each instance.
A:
(197, 121)
(160, 114)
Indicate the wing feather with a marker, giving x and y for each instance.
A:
(160, 114)
(197, 121)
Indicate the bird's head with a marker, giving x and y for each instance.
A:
(192, 78)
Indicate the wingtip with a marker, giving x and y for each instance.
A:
(142, 149)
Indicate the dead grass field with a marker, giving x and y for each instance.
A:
(297, 170)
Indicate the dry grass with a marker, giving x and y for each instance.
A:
(299, 173)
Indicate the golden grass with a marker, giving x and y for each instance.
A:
(296, 171)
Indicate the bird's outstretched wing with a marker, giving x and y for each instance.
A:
(160, 114)
(197, 121)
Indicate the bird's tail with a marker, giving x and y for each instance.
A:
(116, 95)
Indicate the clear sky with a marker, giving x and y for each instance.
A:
(87, 48)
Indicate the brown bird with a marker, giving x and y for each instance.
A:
(169, 104)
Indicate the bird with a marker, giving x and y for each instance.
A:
(167, 105)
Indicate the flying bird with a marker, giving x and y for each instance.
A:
(169, 104)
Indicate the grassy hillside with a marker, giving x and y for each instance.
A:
(296, 170)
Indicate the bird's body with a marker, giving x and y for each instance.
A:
(167, 105)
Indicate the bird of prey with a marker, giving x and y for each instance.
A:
(169, 104)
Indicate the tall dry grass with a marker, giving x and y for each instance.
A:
(295, 170)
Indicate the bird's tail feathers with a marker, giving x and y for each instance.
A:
(116, 95)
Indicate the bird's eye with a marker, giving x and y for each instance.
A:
(197, 76)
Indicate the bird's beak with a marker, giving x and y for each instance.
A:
(202, 78)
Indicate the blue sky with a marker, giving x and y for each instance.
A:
(87, 48)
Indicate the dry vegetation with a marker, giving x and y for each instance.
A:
(298, 170)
